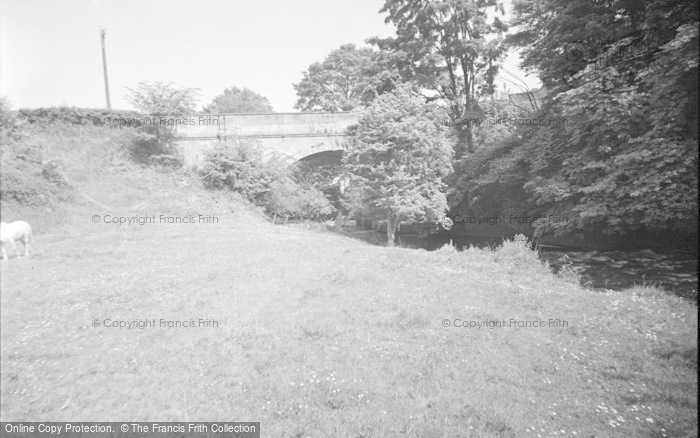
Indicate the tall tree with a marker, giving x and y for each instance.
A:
(337, 83)
(626, 156)
(561, 38)
(397, 159)
(236, 100)
(454, 47)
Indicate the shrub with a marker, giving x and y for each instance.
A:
(265, 182)
(517, 252)
(287, 198)
(282, 199)
(314, 204)
(240, 168)
(156, 146)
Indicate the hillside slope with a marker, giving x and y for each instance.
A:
(59, 175)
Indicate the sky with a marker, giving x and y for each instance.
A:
(50, 52)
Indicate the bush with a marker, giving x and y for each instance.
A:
(314, 204)
(242, 169)
(287, 198)
(156, 146)
(517, 252)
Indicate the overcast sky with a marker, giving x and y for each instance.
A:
(50, 50)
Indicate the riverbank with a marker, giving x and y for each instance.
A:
(674, 272)
(321, 335)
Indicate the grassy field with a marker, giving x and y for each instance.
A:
(320, 335)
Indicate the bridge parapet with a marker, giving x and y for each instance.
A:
(295, 135)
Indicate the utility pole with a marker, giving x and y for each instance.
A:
(104, 65)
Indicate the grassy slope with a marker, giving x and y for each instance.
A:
(321, 335)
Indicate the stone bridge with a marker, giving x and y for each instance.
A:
(291, 135)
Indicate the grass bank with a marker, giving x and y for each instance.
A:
(315, 334)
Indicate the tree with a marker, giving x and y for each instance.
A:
(337, 83)
(239, 101)
(498, 127)
(561, 38)
(453, 51)
(159, 99)
(165, 103)
(626, 157)
(397, 159)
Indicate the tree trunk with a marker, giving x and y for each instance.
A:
(339, 222)
(465, 141)
(470, 140)
(390, 230)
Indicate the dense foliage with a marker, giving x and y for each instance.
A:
(453, 49)
(266, 182)
(336, 84)
(163, 105)
(624, 79)
(289, 199)
(324, 176)
(397, 159)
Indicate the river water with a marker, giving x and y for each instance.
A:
(675, 272)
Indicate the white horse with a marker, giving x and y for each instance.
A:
(18, 230)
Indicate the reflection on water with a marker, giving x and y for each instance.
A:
(674, 272)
